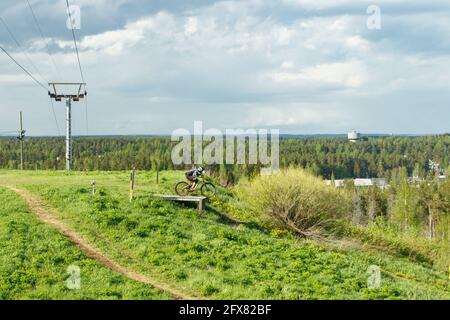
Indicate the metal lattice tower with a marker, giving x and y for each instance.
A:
(75, 96)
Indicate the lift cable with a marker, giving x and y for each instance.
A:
(23, 68)
(75, 41)
(38, 26)
(19, 46)
(79, 63)
(54, 116)
(35, 80)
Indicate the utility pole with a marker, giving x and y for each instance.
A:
(69, 134)
(74, 97)
(21, 138)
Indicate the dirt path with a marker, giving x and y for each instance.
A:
(38, 208)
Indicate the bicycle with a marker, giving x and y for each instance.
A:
(207, 189)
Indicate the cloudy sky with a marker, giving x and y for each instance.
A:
(302, 66)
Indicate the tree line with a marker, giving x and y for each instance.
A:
(419, 208)
(327, 157)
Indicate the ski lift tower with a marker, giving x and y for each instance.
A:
(70, 92)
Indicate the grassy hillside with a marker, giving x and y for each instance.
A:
(34, 259)
(211, 256)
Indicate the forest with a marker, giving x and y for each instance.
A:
(377, 157)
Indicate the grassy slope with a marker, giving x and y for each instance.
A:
(214, 257)
(34, 259)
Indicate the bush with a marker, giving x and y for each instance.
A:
(295, 200)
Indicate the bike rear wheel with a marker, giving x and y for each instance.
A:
(182, 188)
(208, 190)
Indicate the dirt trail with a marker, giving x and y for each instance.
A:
(38, 208)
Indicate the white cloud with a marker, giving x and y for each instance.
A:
(328, 4)
(122, 40)
(357, 43)
(351, 74)
(191, 26)
(300, 115)
(14, 79)
(266, 61)
(317, 4)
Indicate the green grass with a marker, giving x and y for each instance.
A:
(430, 253)
(34, 259)
(213, 257)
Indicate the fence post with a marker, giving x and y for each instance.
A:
(201, 205)
(157, 177)
(132, 176)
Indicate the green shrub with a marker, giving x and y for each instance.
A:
(295, 200)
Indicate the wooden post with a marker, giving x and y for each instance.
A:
(201, 205)
(157, 175)
(132, 176)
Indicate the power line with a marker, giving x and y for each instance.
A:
(38, 26)
(19, 46)
(37, 81)
(8, 135)
(79, 63)
(25, 70)
(42, 37)
(54, 116)
(75, 41)
(29, 59)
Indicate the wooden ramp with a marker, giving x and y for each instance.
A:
(201, 201)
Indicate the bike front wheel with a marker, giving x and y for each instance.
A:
(182, 188)
(208, 190)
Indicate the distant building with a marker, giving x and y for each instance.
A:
(371, 182)
(360, 183)
(337, 183)
(354, 136)
(363, 182)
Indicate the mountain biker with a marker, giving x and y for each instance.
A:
(193, 176)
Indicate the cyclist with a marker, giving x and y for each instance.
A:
(193, 176)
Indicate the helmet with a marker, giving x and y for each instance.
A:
(200, 169)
